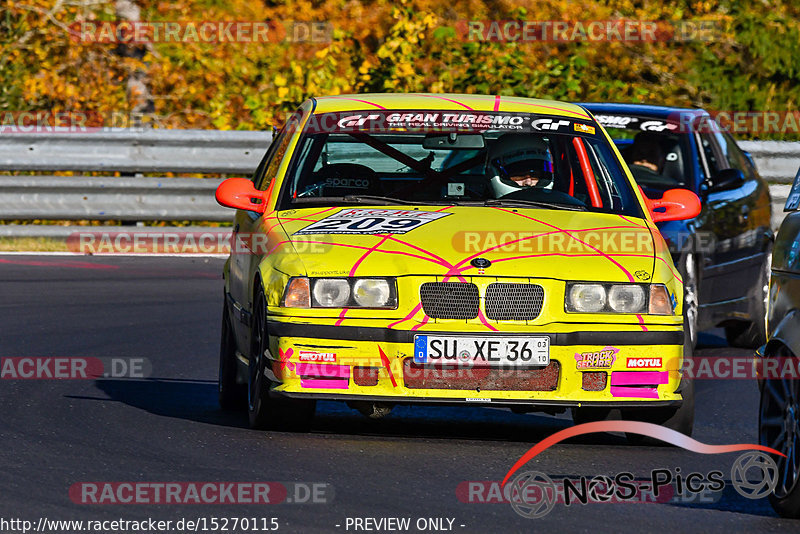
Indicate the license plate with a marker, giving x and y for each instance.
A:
(492, 351)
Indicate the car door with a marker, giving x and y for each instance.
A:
(246, 250)
(733, 265)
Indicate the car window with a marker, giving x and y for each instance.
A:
(657, 155)
(277, 150)
(714, 159)
(736, 158)
(566, 165)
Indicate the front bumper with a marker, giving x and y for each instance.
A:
(325, 361)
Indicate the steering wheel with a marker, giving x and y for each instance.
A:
(344, 172)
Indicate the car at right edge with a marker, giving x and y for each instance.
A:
(723, 254)
(779, 414)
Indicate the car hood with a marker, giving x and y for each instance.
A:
(539, 243)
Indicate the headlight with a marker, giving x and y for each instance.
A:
(371, 292)
(586, 298)
(331, 292)
(302, 292)
(618, 298)
(626, 298)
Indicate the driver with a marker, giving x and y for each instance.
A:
(646, 152)
(520, 161)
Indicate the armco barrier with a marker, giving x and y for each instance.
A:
(203, 152)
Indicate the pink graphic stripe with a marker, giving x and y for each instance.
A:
(638, 378)
(640, 393)
(497, 103)
(578, 113)
(355, 266)
(411, 314)
(367, 253)
(323, 370)
(443, 98)
(356, 100)
(421, 323)
(315, 383)
(634, 427)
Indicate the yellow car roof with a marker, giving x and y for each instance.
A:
(448, 102)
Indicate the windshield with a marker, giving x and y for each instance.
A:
(656, 154)
(489, 159)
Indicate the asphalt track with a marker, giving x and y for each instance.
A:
(168, 428)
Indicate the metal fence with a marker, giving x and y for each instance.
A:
(777, 161)
(138, 198)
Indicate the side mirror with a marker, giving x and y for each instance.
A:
(241, 194)
(726, 179)
(675, 205)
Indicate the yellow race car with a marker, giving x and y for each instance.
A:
(428, 248)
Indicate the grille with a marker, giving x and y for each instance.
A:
(449, 300)
(513, 302)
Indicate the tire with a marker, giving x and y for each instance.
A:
(232, 395)
(753, 334)
(265, 412)
(680, 419)
(691, 295)
(779, 428)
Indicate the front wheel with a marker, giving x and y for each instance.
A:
(779, 428)
(231, 394)
(264, 411)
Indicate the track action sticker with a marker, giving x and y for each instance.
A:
(601, 359)
(372, 221)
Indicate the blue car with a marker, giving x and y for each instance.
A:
(724, 253)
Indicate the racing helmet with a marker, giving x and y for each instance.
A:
(520, 155)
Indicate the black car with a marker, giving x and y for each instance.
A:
(724, 253)
(779, 415)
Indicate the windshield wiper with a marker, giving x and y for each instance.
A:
(533, 203)
(378, 198)
(357, 199)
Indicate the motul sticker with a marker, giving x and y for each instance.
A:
(310, 356)
(644, 363)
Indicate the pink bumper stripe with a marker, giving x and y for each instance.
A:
(323, 370)
(639, 378)
(317, 383)
(645, 393)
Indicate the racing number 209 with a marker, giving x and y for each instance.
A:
(373, 224)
